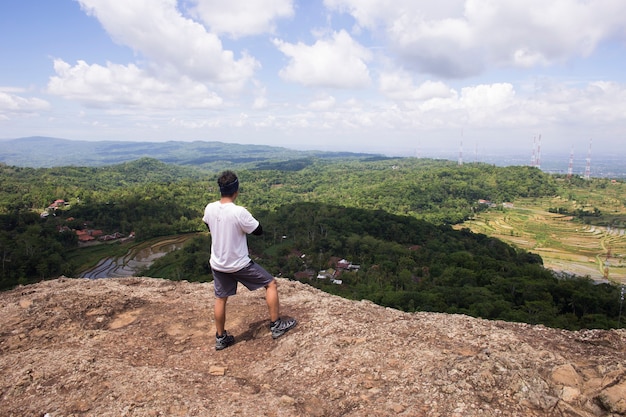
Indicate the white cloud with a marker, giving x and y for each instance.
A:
(489, 105)
(127, 85)
(12, 103)
(491, 97)
(174, 44)
(596, 103)
(322, 103)
(526, 58)
(260, 103)
(338, 62)
(182, 70)
(482, 106)
(241, 17)
(11, 89)
(608, 101)
(398, 85)
(459, 38)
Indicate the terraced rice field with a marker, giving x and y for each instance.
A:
(565, 244)
(137, 257)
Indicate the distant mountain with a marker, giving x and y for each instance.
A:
(45, 152)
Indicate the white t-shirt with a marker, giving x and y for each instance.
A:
(229, 224)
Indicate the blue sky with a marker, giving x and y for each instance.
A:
(401, 77)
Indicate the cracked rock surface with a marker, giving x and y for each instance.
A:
(145, 347)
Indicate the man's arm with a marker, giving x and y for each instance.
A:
(258, 231)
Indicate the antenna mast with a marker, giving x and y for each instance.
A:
(476, 151)
(571, 163)
(538, 161)
(461, 150)
(588, 167)
(535, 159)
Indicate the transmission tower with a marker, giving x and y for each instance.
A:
(476, 152)
(571, 163)
(461, 150)
(588, 167)
(535, 159)
(538, 160)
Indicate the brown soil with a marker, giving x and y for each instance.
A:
(145, 347)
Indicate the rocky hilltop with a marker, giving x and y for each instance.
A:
(145, 347)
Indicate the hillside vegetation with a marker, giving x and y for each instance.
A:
(392, 218)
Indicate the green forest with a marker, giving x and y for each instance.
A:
(390, 219)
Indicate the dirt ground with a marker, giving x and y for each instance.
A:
(145, 347)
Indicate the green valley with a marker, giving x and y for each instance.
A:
(412, 234)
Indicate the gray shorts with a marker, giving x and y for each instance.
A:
(252, 277)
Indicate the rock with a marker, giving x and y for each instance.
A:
(145, 347)
(613, 397)
(217, 370)
(566, 375)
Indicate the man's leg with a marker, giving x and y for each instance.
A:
(222, 339)
(271, 297)
(220, 315)
(278, 326)
(255, 275)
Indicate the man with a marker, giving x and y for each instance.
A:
(230, 263)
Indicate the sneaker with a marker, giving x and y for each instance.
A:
(223, 341)
(281, 326)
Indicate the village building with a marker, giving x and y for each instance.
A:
(333, 274)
